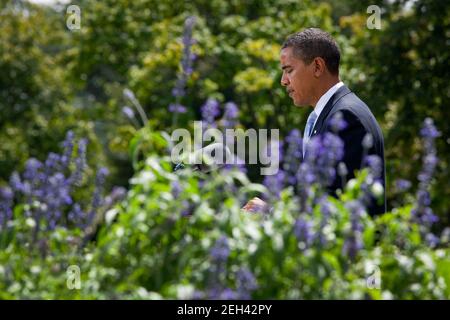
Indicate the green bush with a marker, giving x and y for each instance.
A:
(184, 235)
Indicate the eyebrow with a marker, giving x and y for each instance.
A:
(285, 67)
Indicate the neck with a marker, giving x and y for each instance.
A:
(324, 86)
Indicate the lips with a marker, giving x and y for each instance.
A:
(290, 92)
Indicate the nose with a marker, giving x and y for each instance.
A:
(284, 80)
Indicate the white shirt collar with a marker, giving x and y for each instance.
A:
(326, 96)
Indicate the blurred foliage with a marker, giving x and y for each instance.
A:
(401, 71)
(175, 236)
(53, 80)
(63, 77)
(32, 85)
(39, 103)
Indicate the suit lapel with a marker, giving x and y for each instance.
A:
(342, 91)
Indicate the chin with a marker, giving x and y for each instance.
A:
(298, 104)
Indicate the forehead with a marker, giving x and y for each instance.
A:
(287, 56)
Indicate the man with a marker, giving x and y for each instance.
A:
(310, 63)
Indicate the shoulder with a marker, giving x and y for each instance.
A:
(350, 116)
(355, 111)
(351, 105)
(358, 117)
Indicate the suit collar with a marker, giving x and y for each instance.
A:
(341, 92)
(326, 97)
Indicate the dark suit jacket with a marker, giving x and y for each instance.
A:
(360, 121)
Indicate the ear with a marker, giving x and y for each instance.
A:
(319, 66)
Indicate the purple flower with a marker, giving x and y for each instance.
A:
(402, 185)
(426, 216)
(52, 163)
(178, 91)
(217, 292)
(326, 209)
(210, 110)
(305, 176)
(353, 243)
(6, 193)
(6, 202)
(80, 163)
(32, 168)
(176, 189)
(334, 146)
(429, 164)
(177, 108)
(48, 186)
(314, 148)
(198, 295)
(116, 195)
(220, 250)
(186, 208)
(97, 199)
(432, 240)
(188, 57)
(231, 111)
(303, 231)
(423, 198)
(60, 187)
(337, 122)
(246, 283)
(101, 177)
(356, 212)
(422, 213)
(68, 149)
(275, 183)
(230, 114)
(293, 156)
(294, 142)
(129, 94)
(55, 195)
(128, 112)
(342, 170)
(430, 160)
(429, 130)
(375, 165)
(228, 294)
(323, 154)
(186, 64)
(15, 182)
(76, 215)
(367, 141)
(32, 181)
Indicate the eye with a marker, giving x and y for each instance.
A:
(289, 71)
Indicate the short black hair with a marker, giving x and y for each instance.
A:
(313, 42)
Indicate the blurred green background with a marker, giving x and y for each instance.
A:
(53, 79)
(184, 235)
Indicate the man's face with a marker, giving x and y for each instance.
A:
(297, 77)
